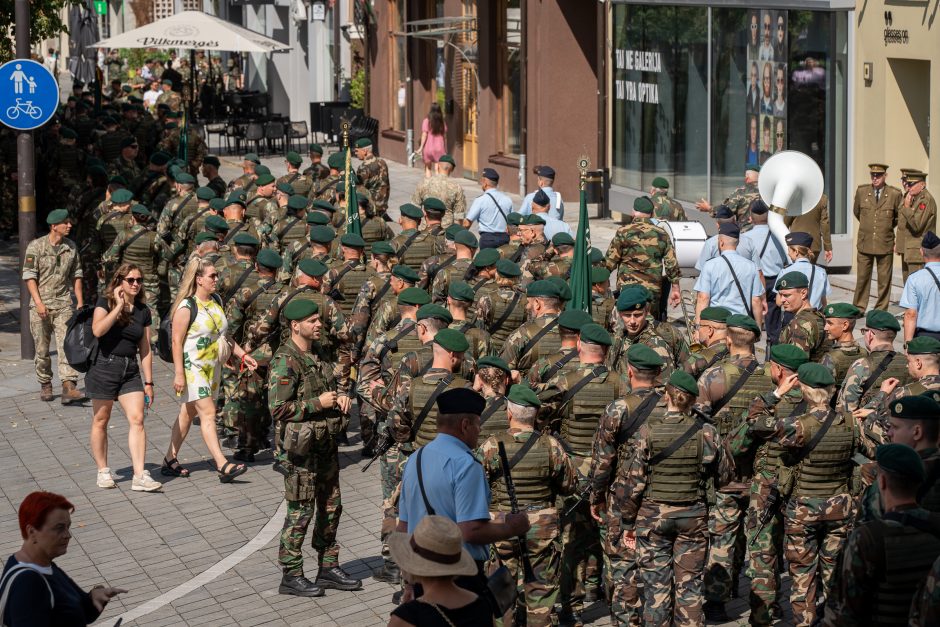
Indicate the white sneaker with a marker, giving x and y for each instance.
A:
(145, 483)
(105, 480)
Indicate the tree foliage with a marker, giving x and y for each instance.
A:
(45, 17)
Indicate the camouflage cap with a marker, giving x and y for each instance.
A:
(452, 340)
(300, 309)
(492, 361)
(593, 333)
(458, 290)
(715, 314)
(403, 272)
(644, 358)
(383, 248)
(742, 321)
(632, 298)
(297, 202)
(313, 267)
(789, 356)
(205, 193)
(413, 296)
(433, 310)
(880, 319)
(842, 310)
(900, 459)
(923, 345)
(485, 258)
(574, 319)
(217, 224)
(792, 281)
(411, 211)
(522, 394)
(815, 375)
(599, 274)
(269, 259)
(682, 380)
(508, 269)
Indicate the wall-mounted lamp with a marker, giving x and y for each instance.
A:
(868, 73)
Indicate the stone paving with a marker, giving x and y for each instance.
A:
(166, 548)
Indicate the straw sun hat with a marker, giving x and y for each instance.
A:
(435, 549)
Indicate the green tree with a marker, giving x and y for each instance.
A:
(44, 23)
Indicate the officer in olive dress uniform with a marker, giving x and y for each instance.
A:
(876, 209)
(840, 329)
(916, 215)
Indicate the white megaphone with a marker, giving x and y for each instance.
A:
(793, 182)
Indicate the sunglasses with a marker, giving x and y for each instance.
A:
(134, 280)
(779, 134)
(212, 277)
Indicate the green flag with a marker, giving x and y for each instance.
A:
(352, 200)
(581, 266)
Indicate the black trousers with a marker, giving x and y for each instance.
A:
(918, 332)
(493, 240)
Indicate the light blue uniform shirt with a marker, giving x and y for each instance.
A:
(775, 257)
(717, 282)
(454, 483)
(485, 211)
(558, 213)
(553, 226)
(709, 251)
(921, 293)
(819, 287)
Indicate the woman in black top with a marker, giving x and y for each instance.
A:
(121, 323)
(40, 593)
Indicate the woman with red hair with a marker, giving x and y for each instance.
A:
(39, 592)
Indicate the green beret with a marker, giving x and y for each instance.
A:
(923, 345)
(352, 240)
(643, 357)
(269, 259)
(492, 361)
(296, 202)
(564, 290)
(254, 158)
(880, 319)
(235, 198)
(815, 375)
(660, 182)
(632, 298)
(169, 126)
(315, 217)
(715, 314)
(363, 142)
(185, 178)
(403, 272)
(508, 269)
(57, 216)
(447, 159)
(324, 205)
(212, 160)
(514, 218)
(316, 149)
(742, 321)
(264, 179)
(167, 81)
(542, 288)
(466, 238)
(451, 231)
(791, 281)
(842, 310)
(300, 309)
(140, 210)
(246, 239)
(262, 169)
(122, 196)
(384, 248)
(434, 204)
(486, 257)
(522, 394)
(900, 459)
(920, 407)
(643, 204)
(216, 224)
(285, 188)
(313, 267)
(574, 319)
(562, 239)
(597, 255)
(293, 158)
(458, 290)
(205, 236)
(595, 334)
(533, 220)
(336, 161)
(205, 193)
(789, 356)
(452, 340)
(411, 211)
(322, 234)
(599, 274)
(433, 310)
(682, 380)
(414, 296)
(934, 395)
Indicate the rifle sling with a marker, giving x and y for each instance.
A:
(521, 453)
(335, 293)
(535, 338)
(491, 409)
(287, 228)
(126, 245)
(232, 232)
(441, 386)
(643, 412)
(558, 365)
(595, 372)
(229, 294)
(393, 343)
(511, 307)
(870, 381)
(742, 379)
(804, 452)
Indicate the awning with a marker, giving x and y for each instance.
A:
(457, 32)
(802, 5)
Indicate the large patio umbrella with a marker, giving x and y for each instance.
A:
(83, 37)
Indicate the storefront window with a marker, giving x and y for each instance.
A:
(512, 77)
(399, 52)
(734, 83)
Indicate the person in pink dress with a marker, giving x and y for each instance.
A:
(433, 139)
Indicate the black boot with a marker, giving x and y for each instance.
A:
(299, 586)
(336, 579)
(715, 611)
(389, 573)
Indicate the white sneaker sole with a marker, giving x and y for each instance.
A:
(140, 488)
(107, 486)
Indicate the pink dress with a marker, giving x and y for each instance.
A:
(434, 146)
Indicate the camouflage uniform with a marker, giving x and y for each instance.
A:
(461, 269)
(542, 474)
(343, 283)
(642, 253)
(130, 170)
(300, 182)
(373, 175)
(545, 368)
(603, 309)
(325, 188)
(665, 208)
(448, 191)
(852, 396)
(478, 338)
(617, 356)
(176, 210)
(296, 379)
(501, 311)
(139, 245)
(740, 202)
(807, 330)
(545, 268)
(413, 247)
(521, 353)
(263, 212)
(171, 99)
(705, 358)
(841, 356)
(928, 495)
(297, 252)
(154, 190)
(196, 149)
(925, 609)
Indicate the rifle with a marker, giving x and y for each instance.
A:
(771, 509)
(581, 497)
(519, 617)
(381, 449)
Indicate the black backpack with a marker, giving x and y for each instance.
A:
(80, 344)
(165, 332)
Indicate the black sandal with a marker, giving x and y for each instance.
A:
(226, 476)
(172, 468)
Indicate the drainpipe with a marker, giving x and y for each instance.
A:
(522, 175)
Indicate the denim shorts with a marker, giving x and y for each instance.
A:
(111, 376)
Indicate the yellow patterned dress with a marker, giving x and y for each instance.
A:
(201, 350)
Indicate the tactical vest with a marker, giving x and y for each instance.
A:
(403, 345)
(421, 391)
(349, 286)
(678, 478)
(730, 416)
(112, 225)
(316, 381)
(897, 368)
(842, 358)
(672, 337)
(454, 272)
(496, 420)
(253, 209)
(768, 454)
(600, 311)
(513, 319)
(547, 344)
(568, 355)
(418, 251)
(909, 554)
(110, 146)
(633, 402)
(584, 410)
(373, 230)
(823, 344)
(827, 469)
(296, 233)
(140, 253)
(531, 475)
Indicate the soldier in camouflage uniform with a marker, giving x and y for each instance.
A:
(740, 199)
(344, 281)
(373, 174)
(291, 229)
(638, 326)
(840, 327)
(304, 401)
(665, 507)
(503, 307)
(440, 185)
(324, 188)
(108, 145)
(725, 392)
(262, 209)
(113, 224)
(573, 403)
(541, 475)
(514, 248)
(535, 245)
(492, 380)
(557, 262)
(300, 182)
(664, 207)
(460, 298)
(126, 163)
(374, 229)
(154, 186)
(413, 246)
(479, 275)
(565, 359)
(457, 266)
(177, 210)
(378, 295)
(237, 268)
(879, 362)
(317, 170)
(169, 97)
(535, 338)
(610, 457)
(317, 246)
(641, 252)
(603, 305)
(711, 332)
(207, 205)
(247, 178)
(210, 170)
(196, 149)
(807, 328)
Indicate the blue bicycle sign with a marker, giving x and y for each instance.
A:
(29, 94)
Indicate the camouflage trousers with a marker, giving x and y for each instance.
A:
(726, 546)
(227, 416)
(392, 465)
(671, 558)
(308, 489)
(765, 551)
(620, 573)
(581, 557)
(152, 287)
(812, 550)
(247, 409)
(42, 330)
(542, 546)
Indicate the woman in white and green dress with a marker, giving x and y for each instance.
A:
(199, 350)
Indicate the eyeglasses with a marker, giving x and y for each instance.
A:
(134, 280)
(779, 26)
(212, 277)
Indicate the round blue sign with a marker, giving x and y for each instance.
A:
(29, 94)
